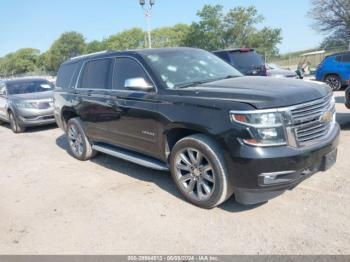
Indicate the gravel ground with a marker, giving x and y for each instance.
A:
(51, 203)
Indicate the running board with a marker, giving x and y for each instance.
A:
(131, 157)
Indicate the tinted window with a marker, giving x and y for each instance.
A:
(127, 68)
(66, 73)
(97, 74)
(17, 88)
(246, 60)
(338, 58)
(346, 58)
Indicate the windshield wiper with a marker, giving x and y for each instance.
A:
(196, 83)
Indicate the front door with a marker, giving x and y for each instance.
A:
(137, 127)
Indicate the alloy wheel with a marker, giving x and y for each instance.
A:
(75, 140)
(333, 82)
(195, 174)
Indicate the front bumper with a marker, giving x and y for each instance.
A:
(36, 120)
(35, 117)
(260, 174)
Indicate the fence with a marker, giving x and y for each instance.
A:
(313, 57)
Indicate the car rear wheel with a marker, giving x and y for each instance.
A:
(199, 171)
(79, 145)
(334, 82)
(15, 126)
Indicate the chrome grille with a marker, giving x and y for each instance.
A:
(306, 119)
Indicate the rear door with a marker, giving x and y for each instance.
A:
(95, 105)
(137, 126)
(345, 67)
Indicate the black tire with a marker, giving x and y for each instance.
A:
(215, 180)
(78, 144)
(15, 126)
(334, 82)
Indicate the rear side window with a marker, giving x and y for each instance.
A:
(246, 60)
(338, 58)
(67, 75)
(224, 56)
(97, 74)
(127, 68)
(346, 58)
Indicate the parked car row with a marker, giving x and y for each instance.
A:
(189, 112)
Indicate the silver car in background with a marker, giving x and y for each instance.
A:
(26, 102)
(274, 70)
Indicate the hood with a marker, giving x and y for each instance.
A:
(33, 96)
(260, 92)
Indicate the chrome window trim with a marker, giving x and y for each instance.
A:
(114, 57)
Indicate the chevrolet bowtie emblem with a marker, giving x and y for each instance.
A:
(326, 117)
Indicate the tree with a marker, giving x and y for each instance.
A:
(239, 24)
(332, 17)
(208, 32)
(170, 36)
(95, 46)
(265, 41)
(22, 61)
(237, 28)
(69, 44)
(128, 39)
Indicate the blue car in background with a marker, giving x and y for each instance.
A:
(335, 70)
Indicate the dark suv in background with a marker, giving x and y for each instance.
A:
(26, 102)
(245, 60)
(187, 111)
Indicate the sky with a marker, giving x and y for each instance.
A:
(37, 23)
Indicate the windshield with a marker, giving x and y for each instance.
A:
(17, 88)
(180, 68)
(246, 60)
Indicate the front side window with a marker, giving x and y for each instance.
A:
(97, 74)
(178, 68)
(26, 87)
(127, 68)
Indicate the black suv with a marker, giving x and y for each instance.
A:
(245, 60)
(187, 111)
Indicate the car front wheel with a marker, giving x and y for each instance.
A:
(334, 82)
(15, 126)
(199, 171)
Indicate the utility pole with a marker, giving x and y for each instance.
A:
(148, 14)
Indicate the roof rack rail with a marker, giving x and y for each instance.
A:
(87, 55)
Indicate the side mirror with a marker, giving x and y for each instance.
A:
(2, 93)
(139, 84)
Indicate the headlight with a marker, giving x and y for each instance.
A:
(26, 105)
(266, 129)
